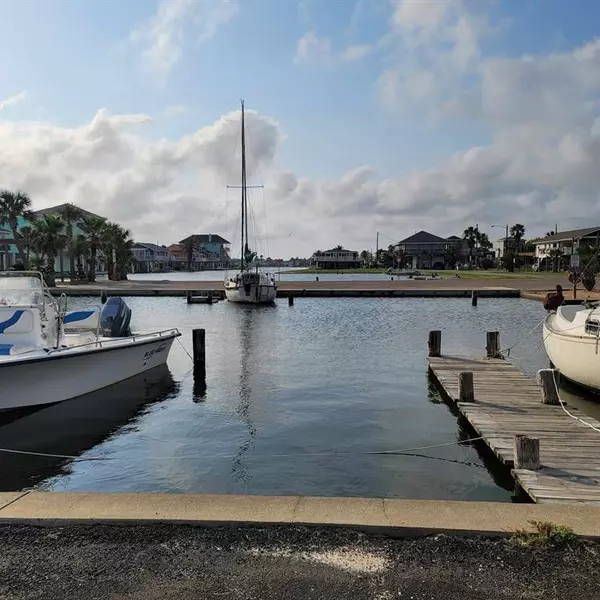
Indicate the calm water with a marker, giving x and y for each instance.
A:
(287, 389)
(220, 275)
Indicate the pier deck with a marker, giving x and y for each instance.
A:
(508, 403)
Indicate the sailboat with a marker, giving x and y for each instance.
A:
(250, 285)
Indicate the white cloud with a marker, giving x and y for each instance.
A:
(13, 100)
(357, 52)
(313, 49)
(162, 36)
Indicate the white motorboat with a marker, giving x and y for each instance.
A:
(250, 285)
(572, 342)
(48, 354)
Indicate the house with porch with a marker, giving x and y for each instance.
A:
(336, 258)
(424, 250)
(210, 250)
(568, 242)
(150, 258)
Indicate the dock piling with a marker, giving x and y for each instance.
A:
(199, 351)
(466, 391)
(189, 296)
(492, 347)
(435, 343)
(546, 381)
(527, 452)
(103, 296)
(291, 300)
(474, 298)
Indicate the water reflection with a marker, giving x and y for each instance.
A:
(75, 426)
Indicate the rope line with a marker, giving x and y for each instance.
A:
(562, 405)
(403, 451)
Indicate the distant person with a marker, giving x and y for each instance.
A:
(554, 299)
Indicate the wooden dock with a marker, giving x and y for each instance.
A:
(508, 403)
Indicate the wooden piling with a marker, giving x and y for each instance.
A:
(474, 298)
(547, 382)
(435, 343)
(199, 351)
(209, 295)
(291, 299)
(103, 296)
(189, 296)
(466, 391)
(493, 344)
(317, 278)
(527, 452)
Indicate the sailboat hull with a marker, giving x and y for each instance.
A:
(251, 294)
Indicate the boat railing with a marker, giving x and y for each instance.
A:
(165, 333)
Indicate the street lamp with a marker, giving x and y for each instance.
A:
(506, 238)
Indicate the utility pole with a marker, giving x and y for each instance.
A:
(377, 250)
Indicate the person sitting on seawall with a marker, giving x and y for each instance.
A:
(554, 299)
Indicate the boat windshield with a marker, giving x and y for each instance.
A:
(21, 291)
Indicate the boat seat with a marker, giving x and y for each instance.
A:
(15, 349)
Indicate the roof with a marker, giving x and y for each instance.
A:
(567, 236)
(422, 237)
(204, 238)
(151, 246)
(340, 250)
(454, 238)
(54, 210)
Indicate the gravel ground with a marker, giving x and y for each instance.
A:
(180, 562)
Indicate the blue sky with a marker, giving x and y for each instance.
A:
(289, 60)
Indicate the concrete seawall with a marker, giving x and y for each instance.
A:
(386, 516)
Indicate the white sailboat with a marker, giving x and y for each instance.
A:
(572, 342)
(49, 355)
(250, 285)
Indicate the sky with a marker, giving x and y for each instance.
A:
(362, 115)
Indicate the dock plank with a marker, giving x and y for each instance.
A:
(507, 403)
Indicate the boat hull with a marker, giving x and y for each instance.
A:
(577, 357)
(70, 373)
(255, 294)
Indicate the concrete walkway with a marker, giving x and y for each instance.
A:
(387, 516)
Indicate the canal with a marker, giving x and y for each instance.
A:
(298, 400)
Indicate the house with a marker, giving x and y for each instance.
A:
(8, 252)
(424, 250)
(568, 242)
(150, 258)
(336, 258)
(212, 250)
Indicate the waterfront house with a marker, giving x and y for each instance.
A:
(211, 251)
(424, 250)
(336, 258)
(150, 258)
(568, 242)
(8, 251)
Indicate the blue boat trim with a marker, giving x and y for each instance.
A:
(4, 325)
(5, 349)
(79, 315)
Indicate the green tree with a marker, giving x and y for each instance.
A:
(27, 238)
(517, 231)
(116, 245)
(79, 249)
(71, 214)
(48, 233)
(93, 228)
(471, 236)
(339, 247)
(556, 255)
(483, 241)
(12, 206)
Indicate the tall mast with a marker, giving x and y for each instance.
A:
(244, 192)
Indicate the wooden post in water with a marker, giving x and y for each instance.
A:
(474, 298)
(435, 343)
(103, 296)
(317, 278)
(466, 392)
(291, 299)
(199, 352)
(492, 347)
(209, 296)
(189, 296)
(547, 382)
(527, 452)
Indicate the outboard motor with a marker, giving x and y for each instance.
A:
(115, 318)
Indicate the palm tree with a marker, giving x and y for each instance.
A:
(517, 231)
(339, 247)
(71, 214)
(471, 235)
(78, 249)
(27, 238)
(116, 245)
(93, 228)
(49, 241)
(12, 206)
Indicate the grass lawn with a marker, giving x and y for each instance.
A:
(475, 274)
